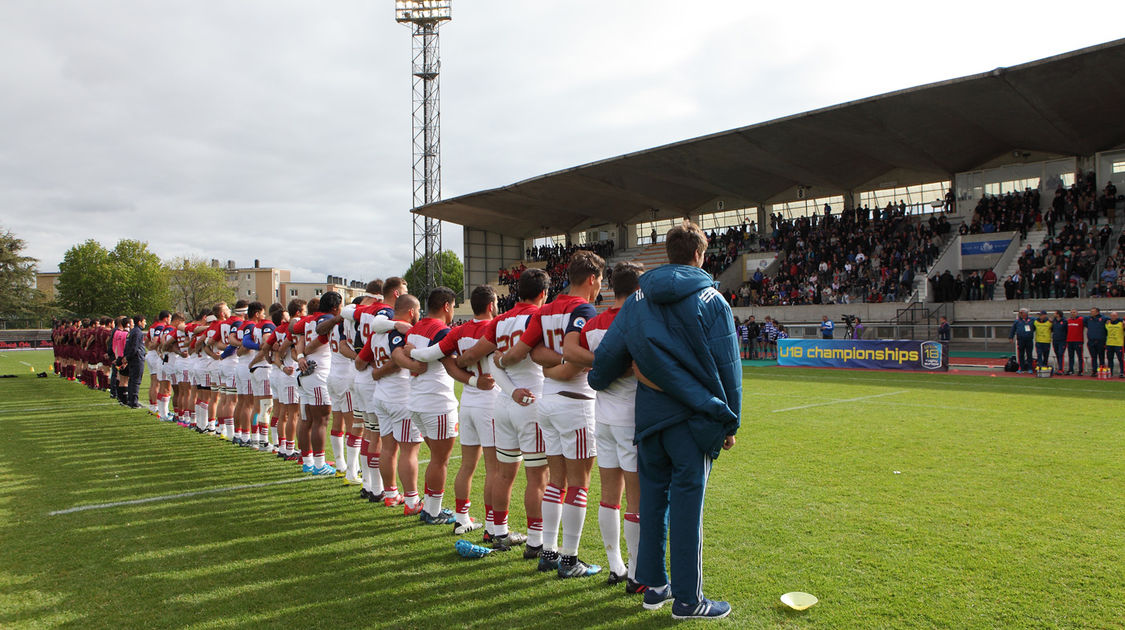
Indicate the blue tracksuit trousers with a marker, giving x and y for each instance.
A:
(673, 473)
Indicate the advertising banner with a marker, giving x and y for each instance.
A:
(928, 356)
(977, 248)
(25, 345)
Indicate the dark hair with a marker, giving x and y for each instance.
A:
(357, 299)
(626, 276)
(254, 309)
(683, 242)
(584, 264)
(532, 283)
(481, 298)
(314, 305)
(241, 304)
(277, 313)
(439, 297)
(330, 301)
(295, 306)
(375, 287)
(405, 302)
(163, 315)
(392, 283)
(137, 319)
(204, 313)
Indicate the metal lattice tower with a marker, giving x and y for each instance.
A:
(424, 18)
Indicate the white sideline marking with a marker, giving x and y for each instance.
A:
(55, 408)
(182, 495)
(27, 364)
(836, 402)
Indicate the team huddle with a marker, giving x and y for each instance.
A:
(377, 378)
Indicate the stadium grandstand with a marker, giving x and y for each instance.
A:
(967, 198)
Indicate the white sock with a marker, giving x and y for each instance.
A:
(488, 522)
(573, 519)
(351, 457)
(273, 435)
(552, 515)
(201, 415)
(354, 442)
(162, 406)
(432, 503)
(411, 499)
(376, 478)
(609, 521)
(318, 459)
(307, 460)
(338, 452)
(632, 540)
(264, 435)
(365, 476)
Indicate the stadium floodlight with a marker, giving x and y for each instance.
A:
(423, 10)
(424, 17)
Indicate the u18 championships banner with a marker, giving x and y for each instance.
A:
(930, 356)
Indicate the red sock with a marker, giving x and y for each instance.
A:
(463, 506)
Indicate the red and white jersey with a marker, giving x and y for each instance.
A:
(323, 354)
(338, 337)
(567, 314)
(615, 404)
(394, 387)
(432, 390)
(168, 334)
(153, 333)
(505, 331)
(461, 339)
(279, 335)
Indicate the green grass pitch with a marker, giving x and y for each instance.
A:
(900, 500)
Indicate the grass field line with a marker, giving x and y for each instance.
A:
(182, 495)
(1002, 383)
(194, 493)
(56, 408)
(840, 401)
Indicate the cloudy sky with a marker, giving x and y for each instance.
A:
(280, 129)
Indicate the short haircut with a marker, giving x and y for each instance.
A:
(204, 314)
(481, 298)
(357, 299)
(122, 321)
(241, 304)
(177, 317)
(254, 308)
(626, 276)
(314, 305)
(217, 309)
(295, 306)
(532, 283)
(375, 287)
(438, 298)
(683, 242)
(163, 315)
(391, 284)
(584, 264)
(137, 319)
(277, 314)
(329, 301)
(405, 302)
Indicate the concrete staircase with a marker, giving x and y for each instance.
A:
(651, 256)
(1035, 238)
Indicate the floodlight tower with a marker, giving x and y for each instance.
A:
(424, 18)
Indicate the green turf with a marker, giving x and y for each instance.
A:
(1005, 511)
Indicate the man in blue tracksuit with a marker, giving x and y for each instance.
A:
(1023, 331)
(1095, 339)
(678, 332)
(827, 327)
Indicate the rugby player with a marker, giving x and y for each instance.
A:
(315, 362)
(477, 403)
(617, 455)
(517, 434)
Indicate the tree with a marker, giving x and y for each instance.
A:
(196, 285)
(85, 280)
(19, 299)
(452, 274)
(141, 280)
(126, 280)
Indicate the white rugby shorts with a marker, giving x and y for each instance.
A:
(516, 427)
(568, 426)
(437, 426)
(476, 427)
(615, 447)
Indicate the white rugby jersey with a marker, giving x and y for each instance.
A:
(567, 314)
(323, 354)
(394, 387)
(460, 339)
(505, 331)
(432, 390)
(615, 404)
